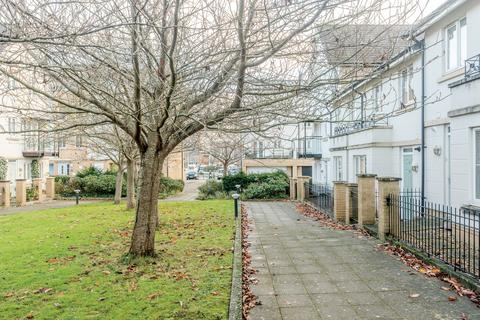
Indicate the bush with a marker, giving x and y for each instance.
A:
(211, 189)
(3, 169)
(31, 194)
(35, 169)
(240, 178)
(98, 185)
(169, 186)
(259, 185)
(89, 171)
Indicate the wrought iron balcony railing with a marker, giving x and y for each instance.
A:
(472, 67)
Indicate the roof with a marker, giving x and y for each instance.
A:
(363, 45)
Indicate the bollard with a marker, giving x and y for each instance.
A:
(235, 197)
(77, 195)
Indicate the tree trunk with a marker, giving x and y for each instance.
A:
(143, 237)
(118, 186)
(130, 184)
(225, 168)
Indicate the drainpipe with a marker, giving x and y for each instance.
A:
(421, 44)
(422, 47)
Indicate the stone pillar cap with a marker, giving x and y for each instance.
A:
(387, 179)
(303, 177)
(366, 175)
(20, 179)
(340, 182)
(352, 184)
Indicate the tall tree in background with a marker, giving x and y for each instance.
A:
(162, 70)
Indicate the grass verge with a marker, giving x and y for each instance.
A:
(69, 264)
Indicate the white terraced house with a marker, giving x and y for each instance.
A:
(426, 95)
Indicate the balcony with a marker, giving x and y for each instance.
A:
(309, 147)
(472, 67)
(270, 153)
(472, 71)
(39, 153)
(351, 127)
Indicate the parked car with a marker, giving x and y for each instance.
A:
(192, 175)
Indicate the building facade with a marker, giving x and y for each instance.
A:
(416, 116)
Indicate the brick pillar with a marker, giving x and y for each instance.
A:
(50, 187)
(301, 180)
(366, 199)
(386, 186)
(5, 193)
(293, 188)
(21, 192)
(349, 205)
(37, 185)
(339, 200)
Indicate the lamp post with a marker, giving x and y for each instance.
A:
(235, 197)
(77, 195)
(238, 187)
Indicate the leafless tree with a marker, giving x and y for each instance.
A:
(162, 70)
(226, 148)
(112, 142)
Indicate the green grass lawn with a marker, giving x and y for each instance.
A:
(70, 264)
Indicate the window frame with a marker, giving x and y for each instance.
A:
(459, 45)
(338, 173)
(474, 162)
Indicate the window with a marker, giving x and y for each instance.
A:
(78, 141)
(62, 143)
(12, 125)
(360, 164)
(406, 86)
(477, 164)
(337, 162)
(456, 44)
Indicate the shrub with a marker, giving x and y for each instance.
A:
(89, 171)
(267, 186)
(169, 186)
(3, 169)
(98, 185)
(31, 194)
(35, 169)
(211, 189)
(240, 178)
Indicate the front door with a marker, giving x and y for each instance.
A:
(407, 174)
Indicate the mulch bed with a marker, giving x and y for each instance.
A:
(249, 299)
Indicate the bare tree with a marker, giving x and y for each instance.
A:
(226, 148)
(162, 70)
(122, 150)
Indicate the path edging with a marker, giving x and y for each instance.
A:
(235, 309)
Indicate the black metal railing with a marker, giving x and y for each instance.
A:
(320, 196)
(472, 66)
(448, 234)
(351, 127)
(270, 153)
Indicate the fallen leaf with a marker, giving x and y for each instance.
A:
(29, 316)
(42, 290)
(153, 295)
(446, 288)
(414, 295)
(215, 293)
(452, 298)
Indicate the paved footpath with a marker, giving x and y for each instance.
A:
(307, 272)
(52, 204)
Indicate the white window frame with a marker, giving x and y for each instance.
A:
(405, 86)
(338, 169)
(475, 171)
(377, 98)
(357, 164)
(460, 46)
